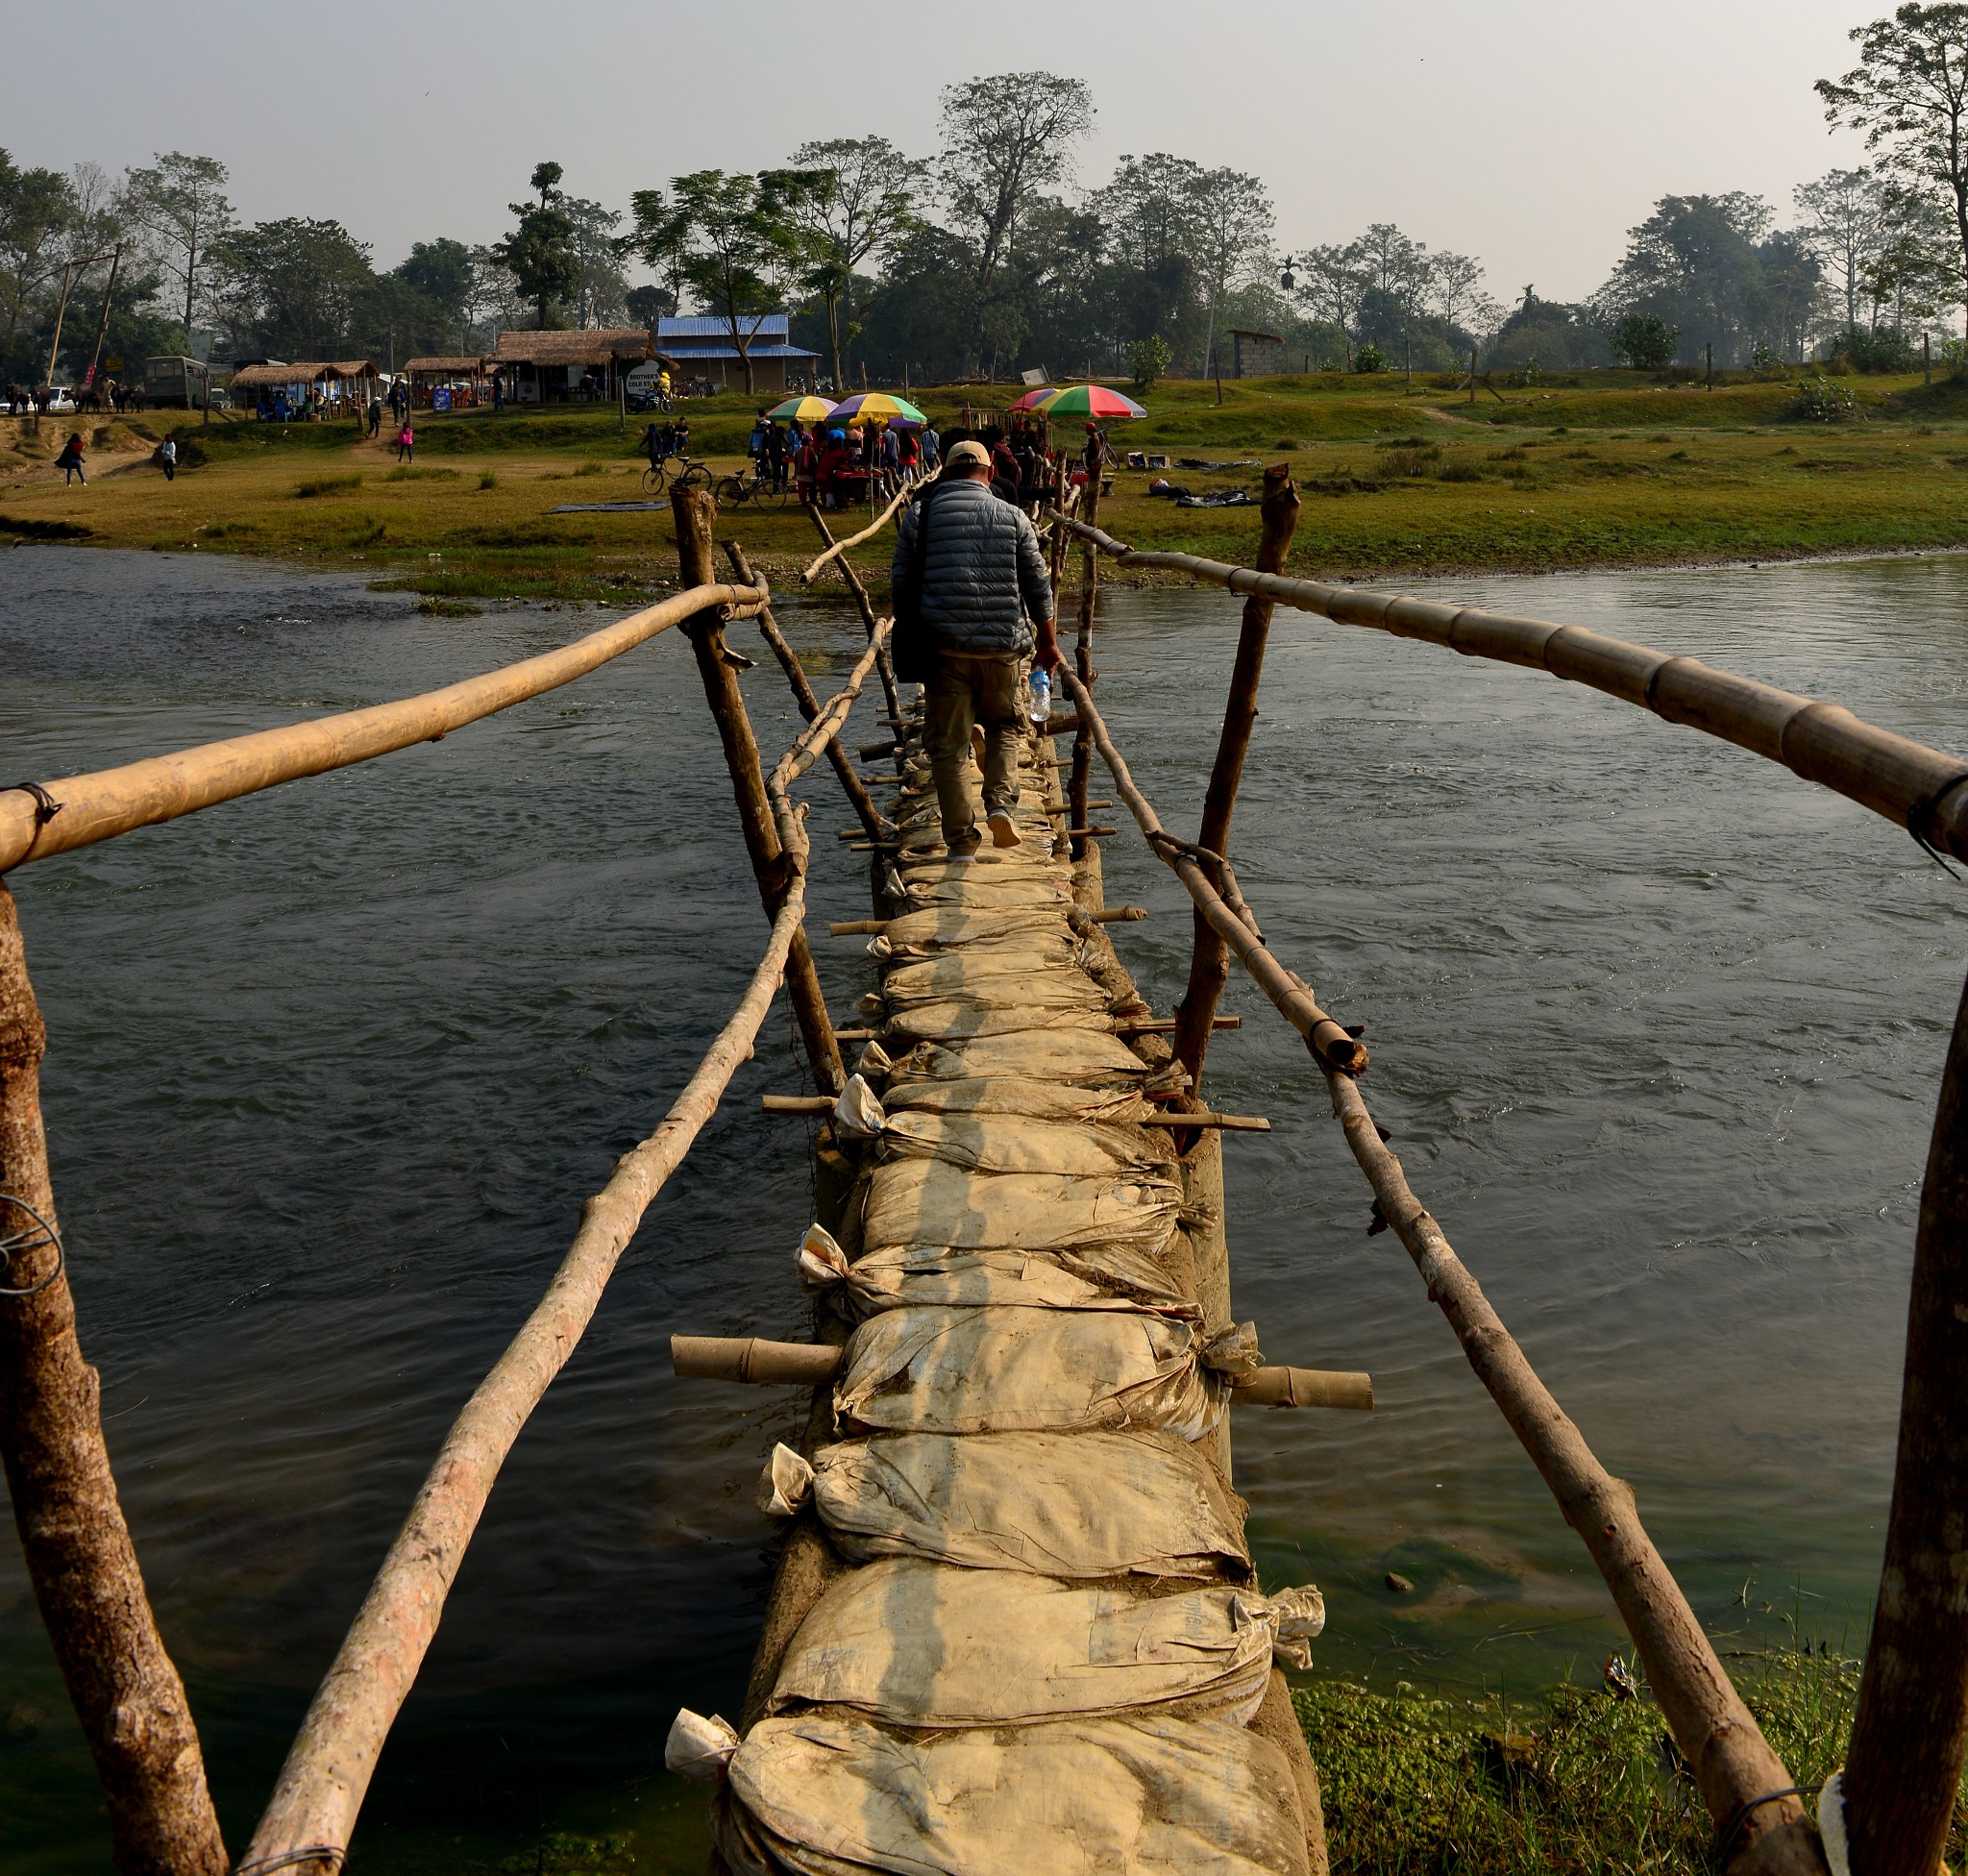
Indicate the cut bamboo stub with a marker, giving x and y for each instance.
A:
(87, 808)
(1161, 1026)
(1306, 1387)
(797, 1103)
(1220, 1123)
(753, 1359)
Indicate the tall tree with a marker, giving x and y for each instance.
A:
(1456, 281)
(1844, 222)
(1150, 243)
(178, 208)
(1232, 228)
(36, 207)
(602, 295)
(733, 239)
(441, 270)
(861, 200)
(295, 288)
(1004, 140)
(1695, 261)
(1909, 93)
(1334, 279)
(541, 250)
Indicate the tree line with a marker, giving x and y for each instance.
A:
(993, 255)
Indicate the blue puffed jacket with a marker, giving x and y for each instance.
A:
(983, 571)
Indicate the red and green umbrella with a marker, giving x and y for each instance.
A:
(1037, 400)
(1094, 400)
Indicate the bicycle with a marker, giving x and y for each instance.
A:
(658, 476)
(734, 491)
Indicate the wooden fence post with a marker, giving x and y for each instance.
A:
(696, 513)
(1209, 961)
(1094, 457)
(80, 1558)
(1911, 1733)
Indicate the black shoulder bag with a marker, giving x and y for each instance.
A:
(911, 649)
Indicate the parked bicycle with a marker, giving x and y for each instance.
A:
(734, 491)
(660, 476)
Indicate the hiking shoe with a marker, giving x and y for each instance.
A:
(964, 846)
(1002, 832)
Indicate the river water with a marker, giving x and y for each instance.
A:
(1657, 1027)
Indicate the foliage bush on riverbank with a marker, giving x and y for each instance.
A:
(1580, 1782)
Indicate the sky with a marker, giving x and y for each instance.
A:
(1529, 134)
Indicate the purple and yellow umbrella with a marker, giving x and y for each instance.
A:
(805, 409)
(870, 407)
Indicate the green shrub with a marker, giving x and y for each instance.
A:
(1874, 352)
(326, 485)
(1822, 400)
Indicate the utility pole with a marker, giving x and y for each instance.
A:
(95, 357)
(1407, 360)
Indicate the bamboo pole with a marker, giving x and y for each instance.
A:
(1305, 1386)
(851, 785)
(867, 609)
(328, 1771)
(1740, 1776)
(1209, 961)
(80, 1557)
(1906, 782)
(695, 511)
(84, 808)
(1911, 1735)
(751, 1359)
(868, 534)
(1083, 649)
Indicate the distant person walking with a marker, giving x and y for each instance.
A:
(167, 459)
(69, 462)
(405, 443)
(375, 416)
(970, 568)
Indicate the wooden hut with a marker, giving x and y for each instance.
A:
(463, 380)
(342, 385)
(567, 367)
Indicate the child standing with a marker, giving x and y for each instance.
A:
(405, 443)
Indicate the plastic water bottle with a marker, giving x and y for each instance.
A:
(1042, 696)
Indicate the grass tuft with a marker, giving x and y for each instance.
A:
(326, 485)
(406, 472)
(435, 606)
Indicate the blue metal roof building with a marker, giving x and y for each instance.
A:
(701, 344)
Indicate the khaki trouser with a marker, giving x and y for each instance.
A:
(969, 688)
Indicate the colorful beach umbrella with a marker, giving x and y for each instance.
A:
(805, 409)
(1094, 400)
(1037, 400)
(865, 405)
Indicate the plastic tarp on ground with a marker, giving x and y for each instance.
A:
(930, 1370)
(1060, 1504)
(916, 1644)
(929, 1202)
(836, 1796)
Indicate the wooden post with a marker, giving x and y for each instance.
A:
(1927, 358)
(1209, 961)
(1472, 373)
(95, 357)
(695, 511)
(78, 1554)
(858, 797)
(885, 665)
(1911, 1731)
(1407, 358)
(1083, 649)
(1709, 350)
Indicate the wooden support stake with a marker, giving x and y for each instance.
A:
(1908, 1739)
(80, 1558)
(851, 784)
(1162, 1025)
(1083, 649)
(1209, 958)
(797, 1103)
(885, 665)
(695, 511)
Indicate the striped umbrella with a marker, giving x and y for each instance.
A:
(807, 409)
(1037, 400)
(866, 405)
(1094, 400)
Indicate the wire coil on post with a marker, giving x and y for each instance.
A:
(37, 1236)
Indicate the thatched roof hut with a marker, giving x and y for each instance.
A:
(553, 367)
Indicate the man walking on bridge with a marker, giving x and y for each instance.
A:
(972, 569)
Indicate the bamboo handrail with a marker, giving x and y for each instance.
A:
(1732, 1763)
(84, 808)
(868, 534)
(328, 1771)
(1918, 788)
(866, 607)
